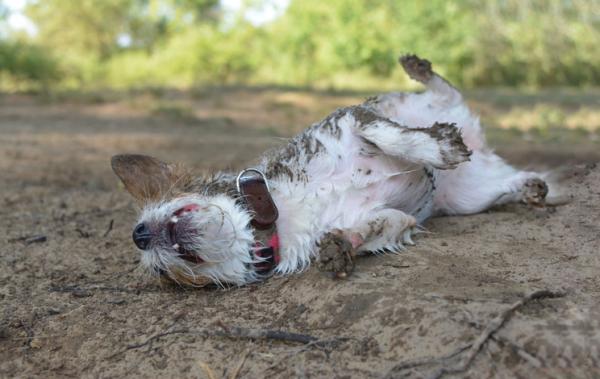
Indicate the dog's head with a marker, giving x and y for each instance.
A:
(189, 230)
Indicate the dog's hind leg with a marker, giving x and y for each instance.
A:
(441, 103)
(421, 71)
(486, 181)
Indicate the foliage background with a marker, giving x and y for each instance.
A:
(341, 44)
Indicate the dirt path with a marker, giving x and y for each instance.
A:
(72, 304)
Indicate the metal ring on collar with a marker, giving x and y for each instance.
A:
(241, 174)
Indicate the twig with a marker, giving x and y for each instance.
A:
(209, 372)
(82, 234)
(521, 352)
(425, 361)
(474, 348)
(266, 334)
(237, 370)
(31, 336)
(234, 333)
(319, 344)
(36, 239)
(491, 328)
(77, 289)
(110, 227)
(501, 319)
(28, 240)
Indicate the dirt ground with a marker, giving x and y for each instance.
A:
(73, 305)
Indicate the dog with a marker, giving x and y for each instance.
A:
(362, 180)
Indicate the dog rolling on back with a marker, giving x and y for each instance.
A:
(361, 180)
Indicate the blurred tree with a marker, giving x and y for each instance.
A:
(83, 26)
(323, 37)
(151, 22)
(201, 10)
(344, 43)
(23, 63)
(102, 28)
(473, 42)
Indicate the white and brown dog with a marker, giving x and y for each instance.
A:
(361, 180)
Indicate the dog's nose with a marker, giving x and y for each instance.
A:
(142, 236)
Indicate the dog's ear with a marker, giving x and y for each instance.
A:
(147, 178)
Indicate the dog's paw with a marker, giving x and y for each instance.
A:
(417, 68)
(453, 150)
(535, 191)
(336, 254)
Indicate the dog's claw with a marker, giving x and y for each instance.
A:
(406, 237)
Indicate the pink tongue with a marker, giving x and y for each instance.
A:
(187, 208)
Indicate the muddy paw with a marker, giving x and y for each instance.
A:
(535, 191)
(452, 148)
(336, 255)
(417, 68)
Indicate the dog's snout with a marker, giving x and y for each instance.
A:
(142, 236)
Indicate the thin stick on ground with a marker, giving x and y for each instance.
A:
(425, 361)
(237, 370)
(519, 350)
(266, 334)
(234, 333)
(209, 372)
(491, 328)
(109, 229)
(319, 344)
(475, 347)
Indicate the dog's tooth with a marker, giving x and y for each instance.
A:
(175, 246)
(174, 219)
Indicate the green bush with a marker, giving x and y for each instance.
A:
(335, 43)
(22, 64)
(199, 55)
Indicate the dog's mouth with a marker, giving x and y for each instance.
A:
(177, 228)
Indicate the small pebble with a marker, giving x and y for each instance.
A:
(35, 343)
(54, 311)
(81, 293)
(116, 302)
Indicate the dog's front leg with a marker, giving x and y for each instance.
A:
(440, 146)
(384, 230)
